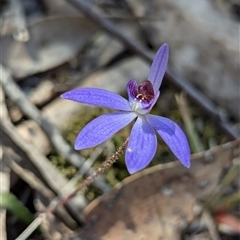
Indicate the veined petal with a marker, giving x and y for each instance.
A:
(98, 97)
(141, 147)
(102, 128)
(159, 67)
(173, 136)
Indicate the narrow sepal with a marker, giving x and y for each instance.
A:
(159, 67)
(173, 136)
(98, 97)
(102, 128)
(141, 147)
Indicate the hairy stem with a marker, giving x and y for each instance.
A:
(55, 203)
(106, 165)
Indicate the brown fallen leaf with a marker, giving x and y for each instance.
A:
(157, 202)
(53, 41)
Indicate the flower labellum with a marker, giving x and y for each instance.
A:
(142, 143)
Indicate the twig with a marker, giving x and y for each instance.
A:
(89, 162)
(86, 166)
(203, 220)
(61, 146)
(55, 180)
(33, 181)
(211, 225)
(78, 175)
(91, 178)
(135, 46)
(32, 227)
(53, 206)
(188, 122)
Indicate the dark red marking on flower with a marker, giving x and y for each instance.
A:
(145, 91)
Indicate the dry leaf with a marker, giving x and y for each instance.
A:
(53, 41)
(155, 203)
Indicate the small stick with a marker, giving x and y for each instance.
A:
(106, 165)
(33, 181)
(211, 225)
(62, 147)
(188, 122)
(40, 162)
(56, 203)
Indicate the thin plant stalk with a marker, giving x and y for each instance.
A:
(55, 203)
(228, 202)
(189, 125)
(106, 165)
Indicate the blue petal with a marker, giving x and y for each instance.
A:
(132, 89)
(141, 147)
(102, 128)
(98, 97)
(173, 136)
(159, 67)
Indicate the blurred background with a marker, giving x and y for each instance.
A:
(49, 47)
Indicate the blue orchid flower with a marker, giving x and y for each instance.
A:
(142, 143)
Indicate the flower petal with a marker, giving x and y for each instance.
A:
(98, 97)
(141, 147)
(132, 89)
(159, 67)
(102, 128)
(173, 136)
